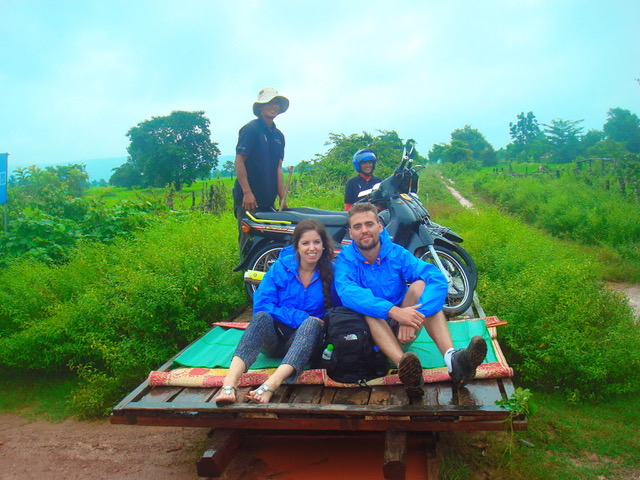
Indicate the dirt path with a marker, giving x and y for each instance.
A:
(74, 450)
(97, 450)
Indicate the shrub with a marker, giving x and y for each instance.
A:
(115, 312)
(565, 329)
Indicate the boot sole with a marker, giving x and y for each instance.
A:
(410, 374)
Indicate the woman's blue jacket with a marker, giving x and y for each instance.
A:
(282, 295)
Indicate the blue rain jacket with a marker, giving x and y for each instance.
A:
(282, 295)
(372, 289)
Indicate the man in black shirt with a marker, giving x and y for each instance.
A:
(259, 155)
(364, 162)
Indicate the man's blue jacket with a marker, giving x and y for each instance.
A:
(373, 288)
(282, 295)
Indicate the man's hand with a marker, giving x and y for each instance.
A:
(249, 202)
(409, 316)
(406, 334)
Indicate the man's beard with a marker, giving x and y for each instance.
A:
(374, 244)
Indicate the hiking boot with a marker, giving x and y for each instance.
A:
(410, 373)
(465, 361)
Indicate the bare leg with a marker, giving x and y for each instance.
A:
(437, 329)
(236, 369)
(384, 338)
(436, 324)
(283, 372)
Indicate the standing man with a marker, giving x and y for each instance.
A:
(371, 278)
(259, 155)
(364, 163)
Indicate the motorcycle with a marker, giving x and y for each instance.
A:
(402, 213)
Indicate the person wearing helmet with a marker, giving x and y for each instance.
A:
(364, 163)
(259, 155)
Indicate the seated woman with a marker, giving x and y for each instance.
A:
(287, 309)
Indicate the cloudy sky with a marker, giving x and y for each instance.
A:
(75, 76)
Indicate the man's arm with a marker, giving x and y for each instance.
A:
(355, 296)
(248, 199)
(281, 192)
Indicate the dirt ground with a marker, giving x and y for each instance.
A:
(72, 449)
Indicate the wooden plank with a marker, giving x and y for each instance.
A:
(328, 394)
(432, 461)
(479, 393)
(224, 443)
(351, 403)
(444, 394)
(507, 386)
(201, 395)
(352, 396)
(424, 424)
(395, 455)
(157, 395)
(307, 394)
(379, 396)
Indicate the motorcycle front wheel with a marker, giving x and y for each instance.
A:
(261, 261)
(460, 293)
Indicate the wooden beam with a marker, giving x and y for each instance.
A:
(395, 455)
(215, 459)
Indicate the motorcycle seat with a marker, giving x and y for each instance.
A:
(329, 218)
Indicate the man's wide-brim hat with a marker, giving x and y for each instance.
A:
(265, 96)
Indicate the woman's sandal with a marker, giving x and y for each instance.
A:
(227, 395)
(261, 390)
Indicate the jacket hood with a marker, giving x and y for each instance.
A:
(385, 247)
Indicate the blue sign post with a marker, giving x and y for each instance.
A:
(4, 162)
(4, 165)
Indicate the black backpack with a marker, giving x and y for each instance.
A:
(354, 358)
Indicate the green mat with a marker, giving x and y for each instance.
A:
(215, 349)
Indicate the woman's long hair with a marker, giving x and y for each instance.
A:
(324, 263)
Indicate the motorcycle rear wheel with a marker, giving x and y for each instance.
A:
(460, 294)
(261, 261)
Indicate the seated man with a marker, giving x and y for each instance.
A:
(371, 278)
(364, 163)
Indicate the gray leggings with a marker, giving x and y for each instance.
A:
(261, 335)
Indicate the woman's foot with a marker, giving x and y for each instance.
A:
(226, 395)
(262, 394)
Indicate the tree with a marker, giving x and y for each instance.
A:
(75, 177)
(458, 152)
(623, 126)
(126, 176)
(472, 139)
(336, 166)
(436, 154)
(564, 136)
(172, 149)
(525, 130)
(229, 167)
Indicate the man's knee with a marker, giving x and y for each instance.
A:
(413, 294)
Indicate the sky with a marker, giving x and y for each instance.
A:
(75, 76)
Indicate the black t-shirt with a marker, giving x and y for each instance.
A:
(356, 185)
(263, 146)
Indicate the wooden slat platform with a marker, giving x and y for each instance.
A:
(303, 409)
(314, 407)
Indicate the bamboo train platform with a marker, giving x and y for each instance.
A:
(321, 410)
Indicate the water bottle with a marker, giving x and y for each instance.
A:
(326, 355)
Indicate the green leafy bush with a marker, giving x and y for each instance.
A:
(51, 239)
(565, 329)
(567, 207)
(114, 312)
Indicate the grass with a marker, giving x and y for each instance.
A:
(564, 441)
(37, 396)
(112, 195)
